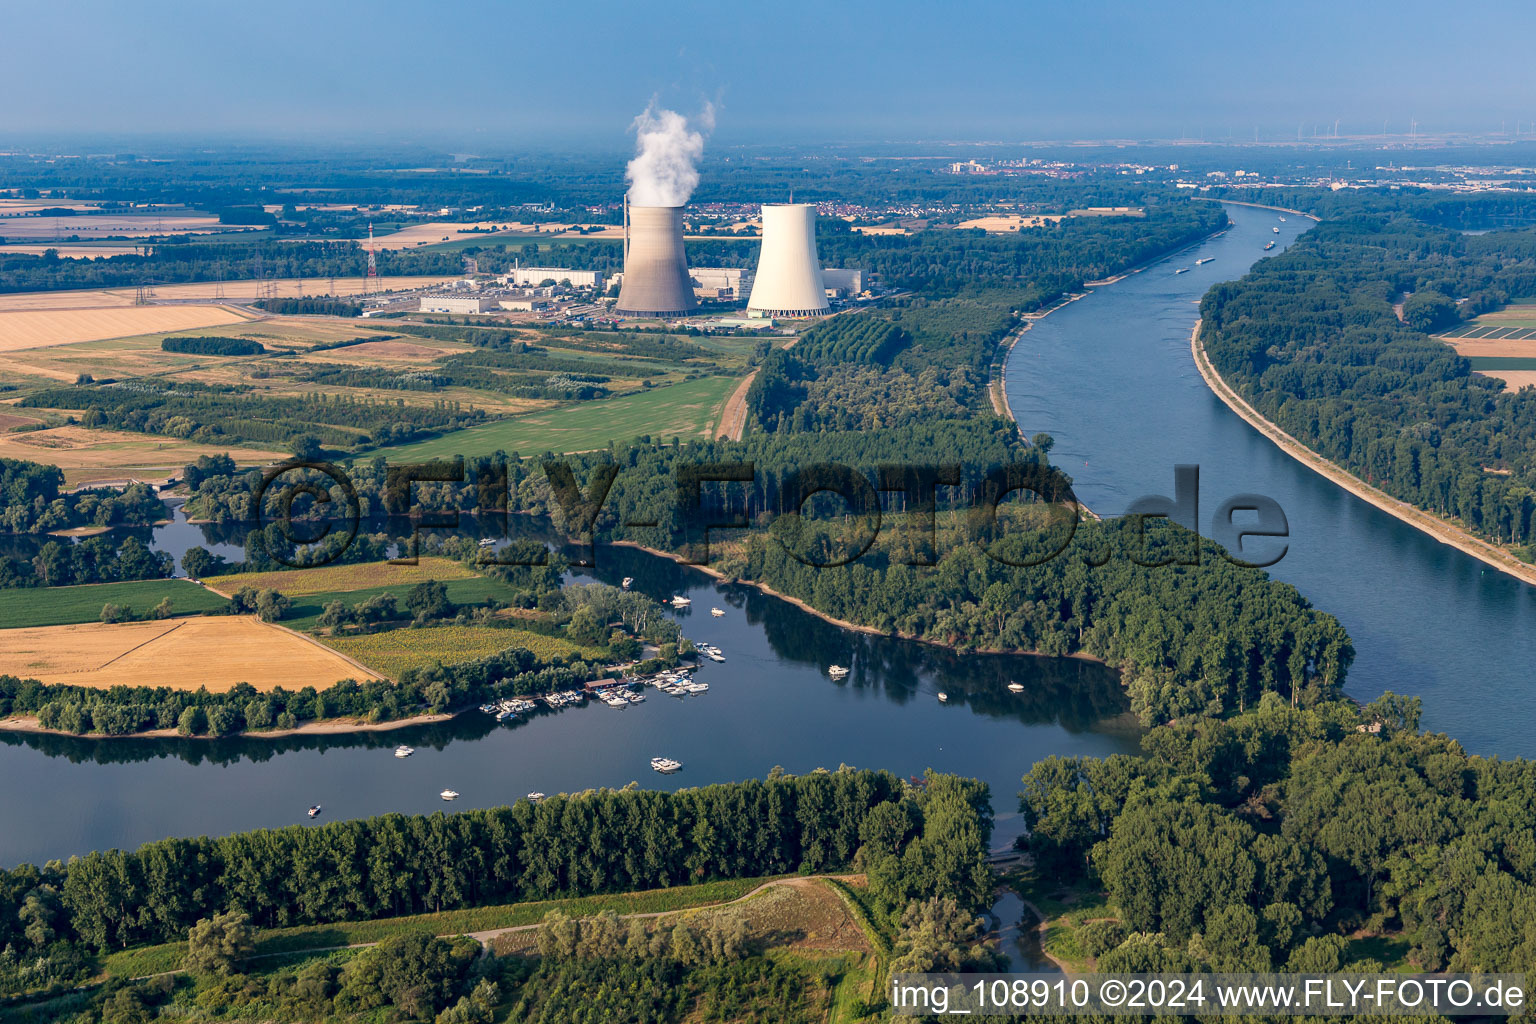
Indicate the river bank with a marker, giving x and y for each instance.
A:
(323, 727)
(1433, 526)
(855, 627)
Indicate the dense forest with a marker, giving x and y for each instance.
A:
(1312, 339)
(1268, 840)
(34, 502)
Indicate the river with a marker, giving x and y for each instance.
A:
(1112, 379)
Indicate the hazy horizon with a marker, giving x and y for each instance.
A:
(498, 75)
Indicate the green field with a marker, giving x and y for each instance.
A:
(1502, 363)
(394, 651)
(687, 410)
(305, 610)
(58, 606)
(351, 576)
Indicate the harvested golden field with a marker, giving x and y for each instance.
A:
(68, 252)
(119, 451)
(391, 353)
(1474, 348)
(397, 650)
(241, 290)
(38, 328)
(1003, 223)
(216, 652)
(1513, 380)
(329, 579)
(412, 235)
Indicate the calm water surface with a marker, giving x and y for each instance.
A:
(1112, 379)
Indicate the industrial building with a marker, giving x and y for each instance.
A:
(788, 281)
(456, 304)
(523, 304)
(841, 283)
(721, 282)
(656, 281)
(538, 275)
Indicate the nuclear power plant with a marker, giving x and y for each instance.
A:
(656, 281)
(788, 281)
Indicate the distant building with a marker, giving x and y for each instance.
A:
(842, 283)
(455, 304)
(537, 275)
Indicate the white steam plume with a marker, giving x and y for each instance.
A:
(666, 149)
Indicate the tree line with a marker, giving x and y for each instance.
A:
(563, 846)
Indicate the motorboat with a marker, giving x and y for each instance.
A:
(628, 580)
(714, 656)
(943, 696)
(449, 794)
(535, 797)
(1182, 270)
(1276, 230)
(681, 602)
(1016, 687)
(404, 751)
(836, 671)
(1204, 260)
(717, 613)
(665, 765)
(314, 812)
(1268, 247)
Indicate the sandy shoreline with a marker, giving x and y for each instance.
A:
(1434, 526)
(325, 727)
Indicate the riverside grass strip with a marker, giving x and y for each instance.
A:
(394, 651)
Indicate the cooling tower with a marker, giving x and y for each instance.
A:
(656, 281)
(788, 281)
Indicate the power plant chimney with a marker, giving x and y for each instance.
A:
(788, 281)
(656, 281)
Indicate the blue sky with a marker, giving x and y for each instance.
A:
(487, 75)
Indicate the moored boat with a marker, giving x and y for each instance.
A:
(717, 613)
(665, 765)
(681, 602)
(943, 696)
(449, 794)
(404, 751)
(1016, 687)
(314, 812)
(836, 671)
